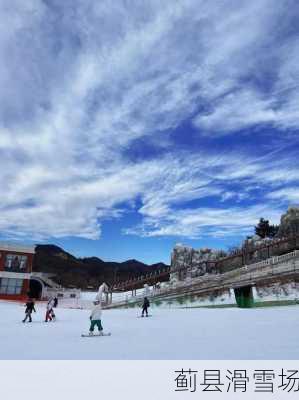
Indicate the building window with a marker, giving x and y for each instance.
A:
(11, 286)
(15, 263)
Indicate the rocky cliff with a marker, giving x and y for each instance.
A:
(187, 263)
(289, 222)
(193, 262)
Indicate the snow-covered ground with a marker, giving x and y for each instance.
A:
(263, 333)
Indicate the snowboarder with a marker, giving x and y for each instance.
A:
(29, 308)
(145, 306)
(95, 318)
(50, 315)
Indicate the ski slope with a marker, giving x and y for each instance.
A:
(268, 333)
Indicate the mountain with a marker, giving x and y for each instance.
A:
(87, 272)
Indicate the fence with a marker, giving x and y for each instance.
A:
(277, 265)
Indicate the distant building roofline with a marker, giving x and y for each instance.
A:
(18, 248)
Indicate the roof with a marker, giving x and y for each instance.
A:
(18, 248)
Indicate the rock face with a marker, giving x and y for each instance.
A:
(289, 222)
(255, 241)
(195, 262)
(188, 263)
(280, 290)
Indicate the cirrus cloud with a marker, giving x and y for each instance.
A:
(82, 82)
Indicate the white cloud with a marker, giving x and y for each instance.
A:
(290, 194)
(194, 223)
(81, 81)
(166, 210)
(237, 110)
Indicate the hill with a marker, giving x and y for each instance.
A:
(86, 272)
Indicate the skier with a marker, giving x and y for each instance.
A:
(28, 311)
(145, 306)
(95, 318)
(55, 302)
(50, 315)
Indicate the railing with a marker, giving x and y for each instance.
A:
(272, 266)
(274, 260)
(249, 273)
(131, 283)
(46, 278)
(141, 278)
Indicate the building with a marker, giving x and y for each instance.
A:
(18, 280)
(15, 270)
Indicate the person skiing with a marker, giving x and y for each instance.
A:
(55, 302)
(145, 306)
(29, 308)
(95, 318)
(50, 315)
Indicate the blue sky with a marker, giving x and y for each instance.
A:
(127, 126)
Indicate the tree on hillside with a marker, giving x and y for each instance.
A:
(273, 230)
(264, 230)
